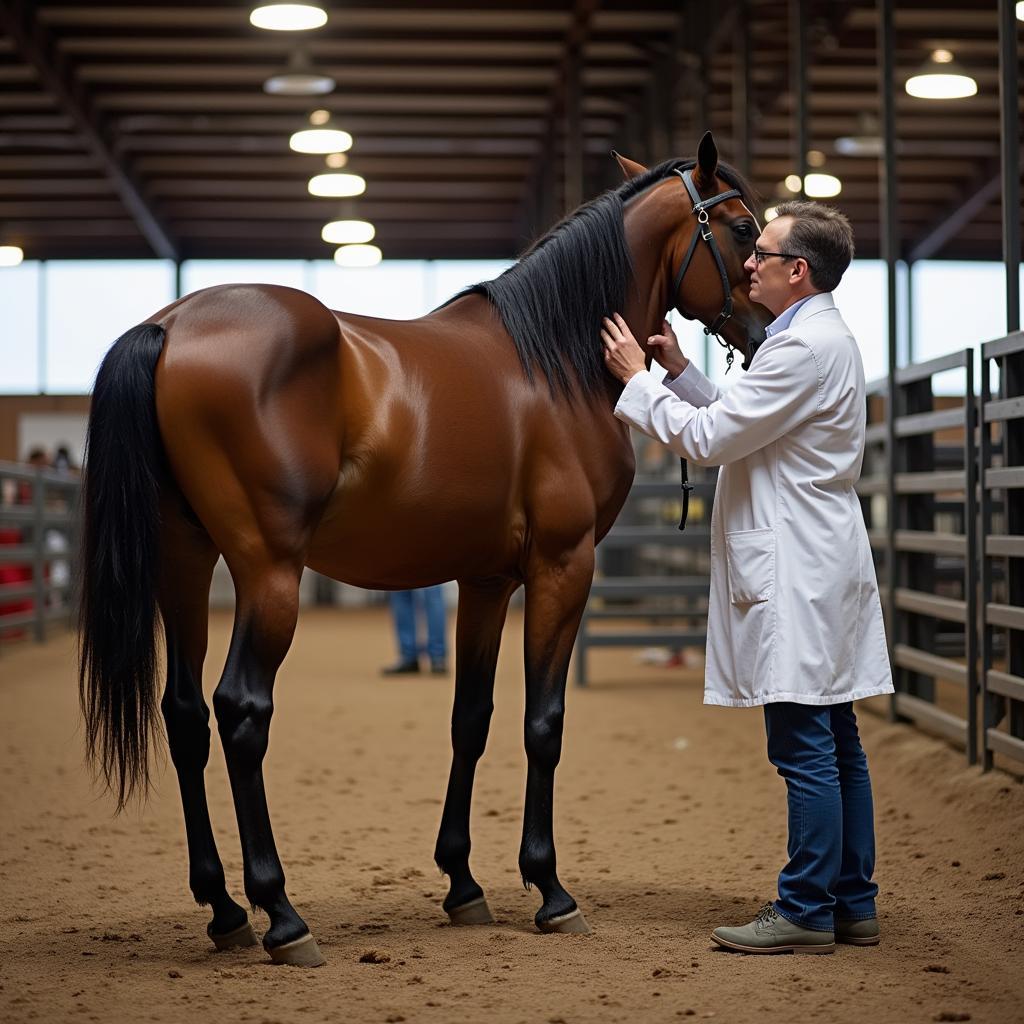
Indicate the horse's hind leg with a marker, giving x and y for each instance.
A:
(557, 586)
(266, 609)
(482, 607)
(187, 560)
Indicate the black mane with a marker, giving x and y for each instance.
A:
(552, 301)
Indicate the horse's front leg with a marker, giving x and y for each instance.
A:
(557, 586)
(482, 607)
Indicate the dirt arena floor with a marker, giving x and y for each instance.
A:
(669, 821)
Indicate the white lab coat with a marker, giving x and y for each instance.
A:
(794, 613)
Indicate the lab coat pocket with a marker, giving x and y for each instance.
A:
(751, 559)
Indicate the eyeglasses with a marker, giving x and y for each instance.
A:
(760, 256)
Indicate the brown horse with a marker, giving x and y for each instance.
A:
(476, 443)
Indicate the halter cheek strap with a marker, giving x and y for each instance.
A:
(705, 234)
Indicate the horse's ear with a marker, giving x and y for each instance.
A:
(707, 160)
(630, 168)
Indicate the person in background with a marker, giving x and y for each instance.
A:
(405, 605)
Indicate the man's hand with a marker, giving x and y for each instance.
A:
(622, 355)
(665, 348)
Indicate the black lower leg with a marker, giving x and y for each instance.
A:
(186, 717)
(537, 851)
(470, 720)
(481, 617)
(243, 702)
(556, 593)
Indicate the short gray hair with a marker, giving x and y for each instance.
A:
(822, 236)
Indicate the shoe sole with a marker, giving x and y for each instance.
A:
(871, 940)
(813, 950)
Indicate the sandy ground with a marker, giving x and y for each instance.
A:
(669, 821)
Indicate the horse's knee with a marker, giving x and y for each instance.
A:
(544, 737)
(470, 726)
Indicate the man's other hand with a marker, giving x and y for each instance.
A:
(622, 355)
(665, 348)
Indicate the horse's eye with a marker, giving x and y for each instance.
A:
(743, 231)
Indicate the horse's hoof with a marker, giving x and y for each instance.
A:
(302, 952)
(243, 936)
(573, 923)
(474, 912)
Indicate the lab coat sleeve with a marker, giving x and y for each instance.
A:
(693, 387)
(782, 392)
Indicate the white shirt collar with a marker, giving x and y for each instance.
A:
(785, 318)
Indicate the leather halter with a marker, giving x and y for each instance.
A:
(704, 233)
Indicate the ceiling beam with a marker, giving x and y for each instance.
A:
(32, 40)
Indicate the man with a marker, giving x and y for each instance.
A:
(794, 620)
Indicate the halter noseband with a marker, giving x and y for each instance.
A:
(700, 208)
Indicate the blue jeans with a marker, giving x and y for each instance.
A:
(403, 609)
(817, 751)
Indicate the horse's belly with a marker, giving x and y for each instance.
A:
(395, 542)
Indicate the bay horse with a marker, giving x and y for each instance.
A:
(477, 443)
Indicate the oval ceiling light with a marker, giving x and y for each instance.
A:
(11, 255)
(770, 213)
(358, 256)
(337, 185)
(941, 78)
(300, 78)
(348, 232)
(792, 182)
(819, 185)
(1020, 11)
(288, 17)
(320, 140)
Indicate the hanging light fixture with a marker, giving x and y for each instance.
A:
(337, 185)
(1020, 11)
(288, 17)
(817, 184)
(321, 136)
(358, 256)
(11, 255)
(941, 78)
(820, 185)
(300, 78)
(770, 213)
(348, 232)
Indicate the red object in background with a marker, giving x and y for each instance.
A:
(9, 574)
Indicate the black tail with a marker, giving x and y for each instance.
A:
(118, 610)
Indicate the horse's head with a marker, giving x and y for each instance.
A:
(712, 236)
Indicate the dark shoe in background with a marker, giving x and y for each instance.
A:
(438, 667)
(402, 668)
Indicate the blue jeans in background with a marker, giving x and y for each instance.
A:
(817, 750)
(403, 608)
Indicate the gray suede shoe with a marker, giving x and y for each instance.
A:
(858, 933)
(769, 932)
